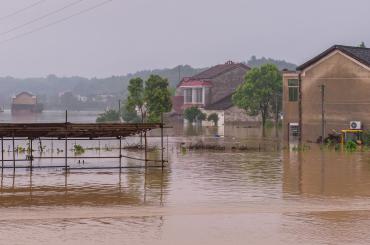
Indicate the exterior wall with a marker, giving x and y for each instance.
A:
(226, 84)
(290, 108)
(347, 86)
(25, 99)
(235, 114)
(231, 115)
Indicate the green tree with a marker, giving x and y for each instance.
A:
(213, 117)
(157, 98)
(193, 114)
(108, 116)
(135, 98)
(128, 115)
(257, 94)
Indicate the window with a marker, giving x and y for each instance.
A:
(198, 95)
(188, 95)
(294, 129)
(293, 87)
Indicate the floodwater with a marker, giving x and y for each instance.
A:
(202, 197)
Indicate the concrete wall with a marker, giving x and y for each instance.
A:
(347, 96)
(232, 115)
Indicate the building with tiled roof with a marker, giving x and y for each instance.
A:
(327, 93)
(211, 85)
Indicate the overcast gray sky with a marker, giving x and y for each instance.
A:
(125, 36)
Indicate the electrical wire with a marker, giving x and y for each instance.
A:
(41, 17)
(57, 22)
(22, 10)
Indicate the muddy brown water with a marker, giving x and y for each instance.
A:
(202, 197)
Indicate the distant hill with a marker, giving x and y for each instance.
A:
(48, 88)
(281, 64)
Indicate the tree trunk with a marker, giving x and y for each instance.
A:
(263, 115)
(276, 124)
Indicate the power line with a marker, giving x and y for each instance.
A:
(57, 22)
(22, 10)
(41, 17)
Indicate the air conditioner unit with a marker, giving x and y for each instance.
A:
(355, 125)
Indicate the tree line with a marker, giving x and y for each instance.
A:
(146, 101)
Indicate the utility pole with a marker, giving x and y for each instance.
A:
(322, 113)
(119, 110)
(276, 116)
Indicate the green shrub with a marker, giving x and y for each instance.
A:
(78, 149)
(108, 116)
(350, 146)
(193, 114)
(366, 137)
(213, 117)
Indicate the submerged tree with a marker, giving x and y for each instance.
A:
(257, 95)
(135, 99)
(214, 118)
(129, 116)
(157, 98)
(193, 114)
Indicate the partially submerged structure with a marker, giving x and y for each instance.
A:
(25, 103)
(72, 131)
(228, 112)
(328, 93)
(211, 90)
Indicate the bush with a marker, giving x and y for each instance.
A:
(350, 146)
(213, 117)
(108, 116)
(78, 149)
(366, 137)
(193, 114)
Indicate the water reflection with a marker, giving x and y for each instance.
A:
(40, 188)
(326, 173)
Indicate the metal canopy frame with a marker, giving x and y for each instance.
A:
(75, 131)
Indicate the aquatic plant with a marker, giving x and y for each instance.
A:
(78, 149)
(20, 149)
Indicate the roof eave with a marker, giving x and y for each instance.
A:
(327, 52)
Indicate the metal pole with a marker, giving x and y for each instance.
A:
(119, 110)
(2, 152)
(322, 114)
(162, 147)
(13, 152)
(145, 149)
(120, 153)
(66, 153)
(66, 145)
(31, 154)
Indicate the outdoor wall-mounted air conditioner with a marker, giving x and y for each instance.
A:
(355, 125)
